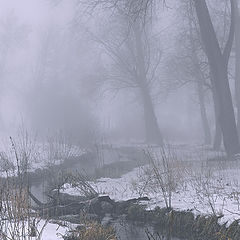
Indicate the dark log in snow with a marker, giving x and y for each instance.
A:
(74, 205)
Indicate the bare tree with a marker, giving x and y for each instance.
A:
(237, 64)
(188, 64)
(152, 129)
(218, 59)
(218, 62)
(135, 65)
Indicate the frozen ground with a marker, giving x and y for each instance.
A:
(203, 182)
(45, 230)
(34, 155)
(53, 232)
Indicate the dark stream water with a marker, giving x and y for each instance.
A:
(124, 229)
(129, 231)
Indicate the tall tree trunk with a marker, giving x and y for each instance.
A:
(218, 62)
(237, 65)
(152, 131)
(200, 91)
(205, 123)
(217, 142)
(199, 78)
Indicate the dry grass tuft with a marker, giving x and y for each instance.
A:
(92, 231)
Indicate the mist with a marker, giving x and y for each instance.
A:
(119, 119)
(72, 59)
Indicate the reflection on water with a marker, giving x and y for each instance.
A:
(39, 192)
(129, 231)
(125, 230)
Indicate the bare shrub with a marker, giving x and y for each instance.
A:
(163, 174)
(22, 153)
(26, 148)
(58, 148)
(235, 193)
(17, 220)
(79, 181)
(82, 184)
(6, 165)
(209, 190)
(141, 185)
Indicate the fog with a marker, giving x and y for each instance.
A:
(51, 52)
(119, 119)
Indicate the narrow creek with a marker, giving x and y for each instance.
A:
(128, 231)
(125, 230)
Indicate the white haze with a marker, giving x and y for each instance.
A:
(117, 116)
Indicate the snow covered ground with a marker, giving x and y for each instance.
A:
(46, 231)
(201, 181)
(35, 155)
(201, 185)
(53, 231)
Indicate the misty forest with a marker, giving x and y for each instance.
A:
(119, 120)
